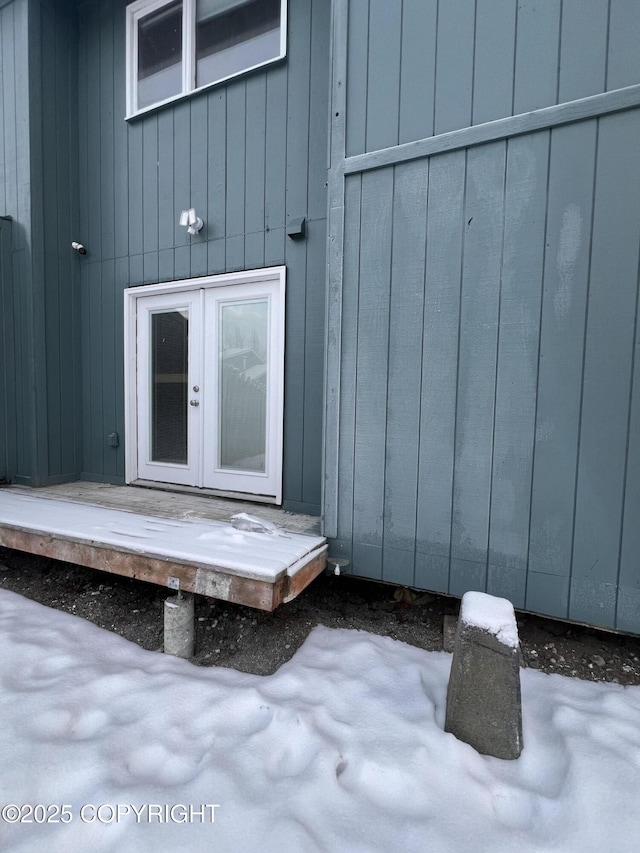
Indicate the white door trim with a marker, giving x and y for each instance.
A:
(276, 275)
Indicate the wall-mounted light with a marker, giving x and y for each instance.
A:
(191, 220)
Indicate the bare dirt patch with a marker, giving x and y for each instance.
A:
(254, 641)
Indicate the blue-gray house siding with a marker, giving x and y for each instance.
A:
(486, 297)
(38, 190)
(466, 294)
(250, 156)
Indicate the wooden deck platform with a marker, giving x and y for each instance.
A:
(169, 539)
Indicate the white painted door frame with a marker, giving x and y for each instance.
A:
(206, 296)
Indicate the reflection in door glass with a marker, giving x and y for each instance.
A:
(169, 385)
(242, 385)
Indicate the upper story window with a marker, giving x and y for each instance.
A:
(175, 47)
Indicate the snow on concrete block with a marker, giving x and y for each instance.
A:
(484, 706)
(495, 615)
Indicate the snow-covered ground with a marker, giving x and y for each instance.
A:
(342, 750)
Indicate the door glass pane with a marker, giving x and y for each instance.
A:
(169, 385)
(234, 35)
(242, 384)
(160, 55)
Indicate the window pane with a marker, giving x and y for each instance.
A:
(242, 386)
(160, 55)
(169, 385)
(234, 35)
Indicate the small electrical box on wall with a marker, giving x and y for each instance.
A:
(113, 439)
(296, 229)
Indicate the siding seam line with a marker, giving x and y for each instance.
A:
(495, 378)
(537, 394)
(386, 391)
(420, 391)
(355, 364)
(584, 358)
(463, 210)
(626, 455)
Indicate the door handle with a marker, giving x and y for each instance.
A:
(194, 402)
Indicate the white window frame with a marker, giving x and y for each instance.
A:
(142, 8)
(273, 275)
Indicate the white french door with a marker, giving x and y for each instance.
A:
(205, 403)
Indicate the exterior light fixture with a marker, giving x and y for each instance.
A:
(191, 221)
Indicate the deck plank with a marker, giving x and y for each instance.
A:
(179, 505)
(207, 556)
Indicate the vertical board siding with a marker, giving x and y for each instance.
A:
(67, 263)
(38, 162)
(537, 55)
(517, 364)
(296, 251)
(255, 176)
(120, 136)
(249, 156)
(424, 67)
(348, 355)
(607, 367)
(482, 260)
(453, 81)
(166, 205)
(235, 166)
(623, 62)
(569, 215)
(404, 372)
(107, 312)
(149, 177)
(628, 603)
(439, 368)
(583, 39)
(15, 201)
(14, 130)
(487, 350)
(314, 368)
(383, 79)
(199, 182)
(418, 54)
(51, 238)
(357, 84)
(316, 258)
(275, 158)
(371, 367)
(495, 44)
(107, 131)
(7, 419)
(490, 406)
(9, 352)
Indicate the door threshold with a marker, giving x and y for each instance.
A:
(196, 490)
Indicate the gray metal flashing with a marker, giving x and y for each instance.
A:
(335, 246)
(579, 110)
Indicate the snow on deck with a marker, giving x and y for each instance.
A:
(263, 556)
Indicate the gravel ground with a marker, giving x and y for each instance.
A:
(253, 641)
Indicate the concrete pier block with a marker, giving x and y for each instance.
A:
(179, 626)
(484, 706)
